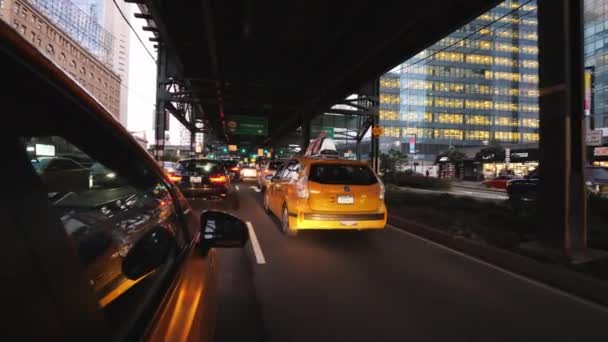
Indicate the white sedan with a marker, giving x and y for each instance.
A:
(249, 171)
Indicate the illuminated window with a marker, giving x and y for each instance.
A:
(389, 98)
(534, 123)
(388, 115)
(411, 116)
(389, 82)
(478, 135)
(506, 121)
(454, 134)
(449, 118)
(530, 136)
(428, 117)
(480, 120)
(391, 131)
(506, 136)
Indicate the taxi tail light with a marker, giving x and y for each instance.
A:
(382, 189)
(175, 177)
(217, 179)
(302, 187)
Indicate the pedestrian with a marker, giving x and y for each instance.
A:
(427, 173)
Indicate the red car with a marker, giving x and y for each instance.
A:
(499, 182)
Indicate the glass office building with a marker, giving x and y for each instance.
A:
(477, 85)
(596, 58)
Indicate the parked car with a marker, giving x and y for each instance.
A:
(100, 264)
(233, 168)
(268, 169)
(205, 179)
(325, 193)
(499, 182)
(526, 190)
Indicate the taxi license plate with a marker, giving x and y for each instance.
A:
(196, 179)
(346, 199)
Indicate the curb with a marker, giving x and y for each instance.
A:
(555, 276)
(478, 188)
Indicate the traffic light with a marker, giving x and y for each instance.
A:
(243, 150)
(225, 150)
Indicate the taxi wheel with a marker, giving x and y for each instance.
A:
(285, 224)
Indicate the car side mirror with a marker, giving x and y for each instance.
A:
(148, 253)
(269, 177)
(219, 229)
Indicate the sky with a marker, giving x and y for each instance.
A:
(142, 85)
(142, 80)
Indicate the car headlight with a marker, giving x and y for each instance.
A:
(110, 175)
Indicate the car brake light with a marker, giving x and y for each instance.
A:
(175, 178)
(217, 179)
(302, 187)
(267, 171)
(382, 189)
(236, 168)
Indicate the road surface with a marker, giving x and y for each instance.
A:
(384, 286)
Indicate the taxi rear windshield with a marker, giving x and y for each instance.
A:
(342, 174)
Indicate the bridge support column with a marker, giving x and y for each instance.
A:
(562, 137)
(161, 114)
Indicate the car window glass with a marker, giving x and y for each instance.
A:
(105, 216)
(199, 167)
(342, 174)
(291, 170)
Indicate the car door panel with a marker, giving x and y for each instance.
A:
(188, 311)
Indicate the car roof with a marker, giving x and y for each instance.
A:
(321, 160)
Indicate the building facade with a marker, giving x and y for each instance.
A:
(596, 58)
(477, 85)
(85, 66)
(106, 14)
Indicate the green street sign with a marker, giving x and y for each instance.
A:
(329, 131)
(246, 125)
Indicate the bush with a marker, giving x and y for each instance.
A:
(413, 181)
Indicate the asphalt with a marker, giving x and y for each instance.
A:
(382, 286)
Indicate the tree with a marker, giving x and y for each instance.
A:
(391, 160)
(454, 155)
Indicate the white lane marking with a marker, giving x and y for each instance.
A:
(520, 277)
(257, 250)
(236, 187)
(255, 188)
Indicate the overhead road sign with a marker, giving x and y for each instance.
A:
(246, 125)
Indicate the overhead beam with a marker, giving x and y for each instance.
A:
(143, 16)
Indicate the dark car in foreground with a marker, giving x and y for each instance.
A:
(526, 189)
(125, 262)
(205, 179)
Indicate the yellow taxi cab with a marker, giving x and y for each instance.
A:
(326, 192)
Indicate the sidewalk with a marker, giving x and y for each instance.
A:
(474, 185)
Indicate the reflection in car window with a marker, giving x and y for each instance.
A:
(342, 174)
(199, 167)
(104, 216)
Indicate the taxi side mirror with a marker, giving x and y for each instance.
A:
(269, 177)
(220, 229)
